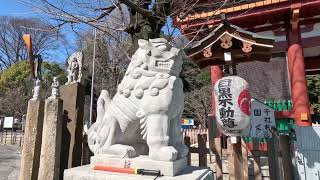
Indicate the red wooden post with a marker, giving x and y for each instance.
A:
(211, 135)
(299, 90)
(216, 74)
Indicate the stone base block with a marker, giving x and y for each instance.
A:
(141, 162)
(87, 173)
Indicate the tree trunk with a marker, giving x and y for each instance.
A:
(144, 27)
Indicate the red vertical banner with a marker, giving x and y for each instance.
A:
(27, 40)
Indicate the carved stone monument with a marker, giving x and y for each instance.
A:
(32, 141)
(75, 67)
(51, 141)
(140, 127)
(72, 94)
(33, 129)
(72, 128)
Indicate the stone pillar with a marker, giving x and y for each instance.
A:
(32, 141)
(299, 89)
(51, 141)
(73, 103)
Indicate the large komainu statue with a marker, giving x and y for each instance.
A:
(75, 67)
(144, 117)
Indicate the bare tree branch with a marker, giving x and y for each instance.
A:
(12, 48)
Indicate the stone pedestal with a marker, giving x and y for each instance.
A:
(141, 162)
(51, 141)
(87, 173)
(73, 103)
(32, 141)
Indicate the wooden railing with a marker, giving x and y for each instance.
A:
(12, 138)
(254, 160)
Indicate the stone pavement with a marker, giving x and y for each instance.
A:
(9, 162)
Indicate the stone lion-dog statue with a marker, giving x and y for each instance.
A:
(144, 116)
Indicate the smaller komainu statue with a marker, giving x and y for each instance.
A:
(75, 67)
(144, 117)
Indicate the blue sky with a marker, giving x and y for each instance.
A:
(14, 8)
(18, 9)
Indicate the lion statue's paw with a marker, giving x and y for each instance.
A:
(167, 153)
(182, 149)
(120, 150)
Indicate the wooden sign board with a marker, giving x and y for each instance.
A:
(262, 120)
(8, 122)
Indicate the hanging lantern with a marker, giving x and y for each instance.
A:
(232, 100)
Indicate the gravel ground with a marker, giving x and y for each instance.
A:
(9, 162)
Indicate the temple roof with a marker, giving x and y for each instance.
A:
(255, 15)
(243, 46)
(208, 8)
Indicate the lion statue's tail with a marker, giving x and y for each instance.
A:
(102, 105)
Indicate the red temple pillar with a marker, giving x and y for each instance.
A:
(215, 137)
(216, 74)
(299, 90)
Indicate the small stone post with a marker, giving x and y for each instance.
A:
(32, 141)
(51, 141)
(73, 105)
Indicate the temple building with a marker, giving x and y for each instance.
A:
(280, 68)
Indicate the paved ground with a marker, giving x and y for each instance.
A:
(9, 162)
